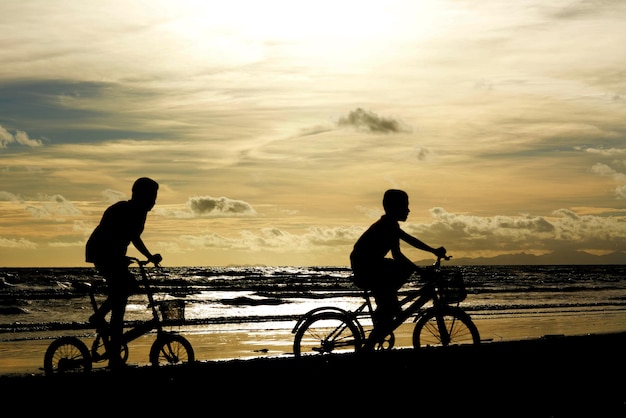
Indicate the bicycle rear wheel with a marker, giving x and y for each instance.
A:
(327, 332)
(66, 355)
(445, 327)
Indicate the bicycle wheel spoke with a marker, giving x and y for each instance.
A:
(169, 353)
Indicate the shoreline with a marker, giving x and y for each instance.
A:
(25, 357)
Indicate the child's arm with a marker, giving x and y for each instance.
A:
(440, 252)
(141, 247)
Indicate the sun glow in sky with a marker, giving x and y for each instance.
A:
(274, 127)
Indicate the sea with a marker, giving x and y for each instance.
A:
(49, 302)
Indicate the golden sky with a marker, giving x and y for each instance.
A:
(274, 127)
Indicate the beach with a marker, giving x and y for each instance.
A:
(512, 373)
(554, 376)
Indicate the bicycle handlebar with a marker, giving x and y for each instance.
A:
(439, 258)
(141, 263)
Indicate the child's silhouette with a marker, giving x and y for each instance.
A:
(121, 224)
(372, 268)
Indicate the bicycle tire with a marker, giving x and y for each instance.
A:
(459, 327)
(66, 355)
(325, 333)
(99, 351)
(169, 349)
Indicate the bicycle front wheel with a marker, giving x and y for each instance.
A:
(327, 332)
(445, 327)
(171, 349)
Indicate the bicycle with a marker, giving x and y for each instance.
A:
(331, 329)
(70, 354)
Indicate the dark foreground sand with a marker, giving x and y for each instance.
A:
(547, 377)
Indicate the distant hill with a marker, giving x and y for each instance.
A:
(554, 258)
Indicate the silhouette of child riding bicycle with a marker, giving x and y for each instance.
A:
(122, 224)
(331, 329)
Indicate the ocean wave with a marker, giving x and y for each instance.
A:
(55, 298)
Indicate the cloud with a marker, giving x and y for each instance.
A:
(422, 153)
(606, 151)
(20, 138)
(511, 228)
(8, 197)
(566, 228)
(605, 170)
(113, 196)
(67, 244)
(219, 206)
(276, 239)
(370, 122)
(17, 243)
(52, 206)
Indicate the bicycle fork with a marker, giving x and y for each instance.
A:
(443, 330)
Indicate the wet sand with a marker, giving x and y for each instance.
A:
(26, 356)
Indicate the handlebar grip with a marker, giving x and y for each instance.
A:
(439, 258)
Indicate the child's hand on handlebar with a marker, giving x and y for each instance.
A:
(156, 259)
(441, 253)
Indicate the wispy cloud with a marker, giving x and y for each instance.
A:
(618, 177)
(57, 206)
(17, 243)
(9, 197)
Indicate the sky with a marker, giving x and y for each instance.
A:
(273, 128)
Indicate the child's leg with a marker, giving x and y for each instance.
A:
(385, 292)
(387, 307)
(98, 319)
(118, 308)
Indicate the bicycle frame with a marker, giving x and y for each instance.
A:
(139, 329)
(68, 354)
(418, 298)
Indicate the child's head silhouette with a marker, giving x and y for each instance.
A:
(396, 204)
(394, 199)
(145, 192)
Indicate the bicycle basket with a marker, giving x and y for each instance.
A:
(451, 287)
(172, 310)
